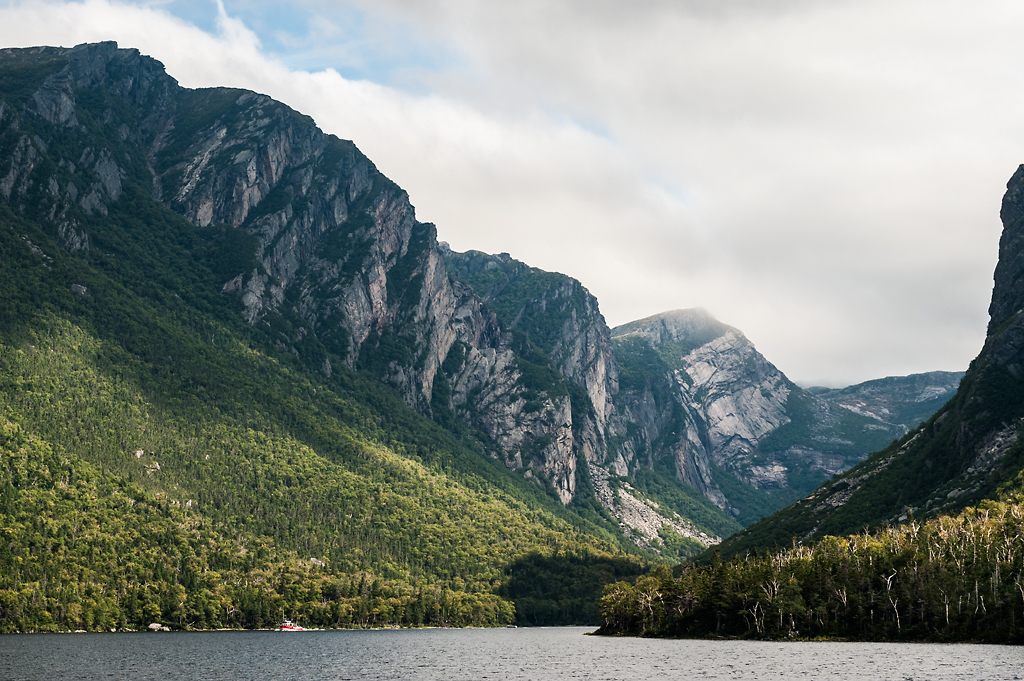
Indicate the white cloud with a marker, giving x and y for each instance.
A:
(824, 176)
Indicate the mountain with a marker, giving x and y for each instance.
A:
(903, 402)
(967, 452)
(325, 252)
(697, 401)
(229, 358)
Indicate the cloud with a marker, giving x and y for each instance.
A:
(824, 176)
(842, 161)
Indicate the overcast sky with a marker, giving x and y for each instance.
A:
(823, 175)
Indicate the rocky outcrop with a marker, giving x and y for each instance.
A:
(741, 395)
(342, 242)
(708, 404)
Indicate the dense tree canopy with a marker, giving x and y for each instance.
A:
(952, 578)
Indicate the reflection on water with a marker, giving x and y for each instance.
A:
(474, 654)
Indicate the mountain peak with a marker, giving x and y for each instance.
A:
(694, 326)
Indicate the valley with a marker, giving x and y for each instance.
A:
(241, 381)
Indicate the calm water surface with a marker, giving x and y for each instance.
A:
(476, 654)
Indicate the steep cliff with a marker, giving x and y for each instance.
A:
(564, 347)
(321, 250)
(554, 321)
(705, 404)
(970, 450)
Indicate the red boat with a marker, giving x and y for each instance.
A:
(288, 626)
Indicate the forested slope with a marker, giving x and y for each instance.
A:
(164, 458)
(952, 578)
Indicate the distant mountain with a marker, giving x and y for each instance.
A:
(697, 400)
(969, 451)
(900, 401)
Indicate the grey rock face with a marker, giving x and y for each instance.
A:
(557, 312)
(741, 395)
(55, 100)
(710, 404)
(721, 400)
(1008, 292)
(338, 245)
(560, 338)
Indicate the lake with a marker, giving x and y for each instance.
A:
(475, 654)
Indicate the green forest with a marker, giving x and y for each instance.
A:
(952, 578)
(118, 511)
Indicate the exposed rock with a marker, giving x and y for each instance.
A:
(642, 519)
(55, 99)
(708, 402)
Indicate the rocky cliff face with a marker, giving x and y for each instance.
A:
(336, 261)
(726, 418)
(557, 322)
(43, 90)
